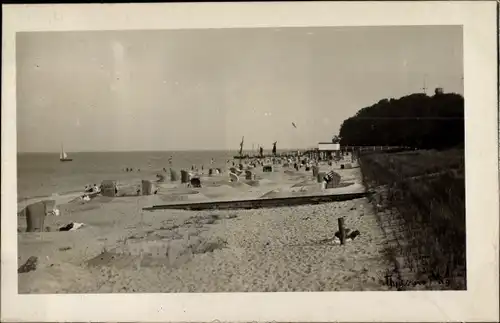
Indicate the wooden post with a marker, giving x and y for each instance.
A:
(341, 230)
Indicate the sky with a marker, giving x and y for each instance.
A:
(205, 89)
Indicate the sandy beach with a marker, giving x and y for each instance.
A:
(122, 248)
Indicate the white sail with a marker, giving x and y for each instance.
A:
(63, 154)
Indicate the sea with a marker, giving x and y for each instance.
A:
(42, 175)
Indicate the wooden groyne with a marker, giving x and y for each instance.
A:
(259, 203)
(282, 155)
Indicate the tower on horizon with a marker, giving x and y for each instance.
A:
(424, 87)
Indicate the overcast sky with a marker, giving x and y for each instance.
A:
(205, 89)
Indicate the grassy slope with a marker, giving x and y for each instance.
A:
(427, 188)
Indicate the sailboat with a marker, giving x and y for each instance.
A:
(240, 156)
(241, 146)
(64, 157)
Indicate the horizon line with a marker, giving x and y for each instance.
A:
(153, 151)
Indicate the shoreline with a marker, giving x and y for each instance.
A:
(127, 180)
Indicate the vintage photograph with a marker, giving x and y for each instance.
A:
(290, 159)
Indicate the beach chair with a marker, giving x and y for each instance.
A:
(195, 182)
(248, 175)
(320, 177)
(184, 176)
(160, 178)
(233, 177)
(109, 188)
(174, 176)
(332, 179)
(267, 169)
(35, 217)
(147, 187)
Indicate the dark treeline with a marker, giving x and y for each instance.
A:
(417, 121)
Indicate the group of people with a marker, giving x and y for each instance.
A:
(92, 189)
(195, 168)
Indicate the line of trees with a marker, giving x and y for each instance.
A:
(416, 120)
